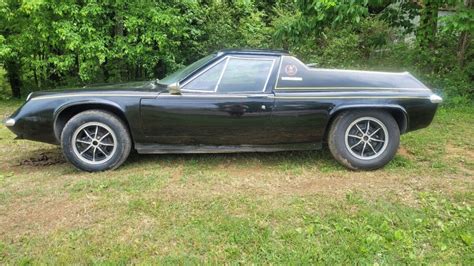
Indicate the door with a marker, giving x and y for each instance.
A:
(227, 103)
(300, 114)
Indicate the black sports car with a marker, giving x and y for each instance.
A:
(233, 101)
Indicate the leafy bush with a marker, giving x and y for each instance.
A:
(340, 49)
(438, 68)
(4, 87)
(235, 25)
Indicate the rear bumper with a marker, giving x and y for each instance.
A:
(435, 98)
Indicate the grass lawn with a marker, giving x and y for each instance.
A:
(288, 207)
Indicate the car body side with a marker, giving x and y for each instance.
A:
(293, 111)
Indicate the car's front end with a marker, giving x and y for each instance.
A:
(34, 120)
(37, 118)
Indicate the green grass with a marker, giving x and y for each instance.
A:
(279, 208)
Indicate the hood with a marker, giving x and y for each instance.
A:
(127, 87)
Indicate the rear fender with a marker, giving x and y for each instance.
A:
(402, 121)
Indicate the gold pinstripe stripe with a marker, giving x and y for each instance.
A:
(349, 88)
(231, 96)
(92, 95)
(352, 97)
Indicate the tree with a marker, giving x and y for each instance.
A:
(10, 28)
(462, 22)
(398, 14)
(426, 32)
(56, 43)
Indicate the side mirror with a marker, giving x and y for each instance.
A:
(174, 88)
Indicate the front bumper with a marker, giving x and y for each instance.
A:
(10, 122)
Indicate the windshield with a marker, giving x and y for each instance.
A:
(183, 72)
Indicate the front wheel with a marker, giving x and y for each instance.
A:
(95, 140)
(364, 139)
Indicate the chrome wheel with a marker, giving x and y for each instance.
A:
(366, 138)
(94, 143)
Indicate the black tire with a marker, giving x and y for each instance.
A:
(365, 160)
(106, 151)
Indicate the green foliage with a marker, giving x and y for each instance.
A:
(234, 25)
(437, 67)
(320, 13)
(67, 42)
(401, 15)
(348, 47)
(47, 43)
(462, 20)
(374, 34)
(341, 49)
(4, 86)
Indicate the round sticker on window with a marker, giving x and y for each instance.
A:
(291, 70)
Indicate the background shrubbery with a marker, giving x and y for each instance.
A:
(47, 44)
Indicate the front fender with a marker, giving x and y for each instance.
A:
(59, 120)
(83, 102)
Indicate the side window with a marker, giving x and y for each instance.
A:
(245, 75)
(207, 81)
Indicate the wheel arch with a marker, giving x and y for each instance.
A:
(68, 110)
(396, 111)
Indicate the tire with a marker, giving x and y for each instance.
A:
(353, 147)
(96, 140)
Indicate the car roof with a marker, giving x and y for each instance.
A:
(253, 52)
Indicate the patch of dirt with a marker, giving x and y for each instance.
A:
(452, 150)
(404, 152)
(44, 159)
(263, 183)
(29, 216)
(462, 158)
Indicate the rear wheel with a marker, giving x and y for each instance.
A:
(364, 139)
(95, 140)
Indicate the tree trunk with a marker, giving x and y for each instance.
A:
(464, 38)
(464, 41)
(105, 71)
(426, 33)
(35, 75)
(13, 74)
(119, 26)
